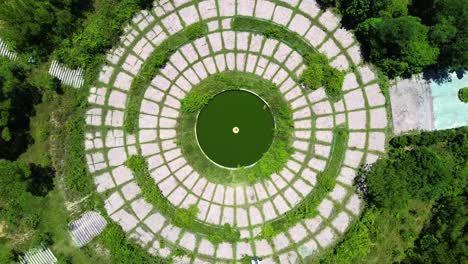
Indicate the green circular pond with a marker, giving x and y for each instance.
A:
(235, 128)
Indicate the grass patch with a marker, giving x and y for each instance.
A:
(151, 67)
(272, 161)
(184, 218)
(325, 183)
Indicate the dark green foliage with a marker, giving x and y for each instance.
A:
(463, 94)
(444, 239)
(17, 100)
(424, 171)
(151, 67)
(397, 45)
(102, 30)
(421, 171)
(18, 207)
(185, 218)
(38, 26)
(448, 20)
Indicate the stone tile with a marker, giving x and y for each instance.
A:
(317, 164)
(329, 20)
(313, 224)
(310, 7)
(281, 241)
(243, 249)
(224, 251)
(377, 141)
(325, 136)
(170, 232)
(329, 48)
(280, 204)
(268, 211)
(299, 24)
(228, 216)
(206, 247)
(246, 8)
(298, 232)
(357, 140)
(189, 15)
(264, 9)
(255, 216)
(378, 118)
(357, 120)
(103, 182)
(282, 15)
(208, 9)
(123, 81)
(113, 203)
(308, 249)
(241, 217)
(341, 222)
(344, 37)
(354, 204)
(125, 220)
(130, 191)
(262, 248)
(324, 122)
(227, 8)
(326, 237)
(214, 214)
(374, 95)
(353, 158)
(188, 241)
(325, 208)
(315, 36)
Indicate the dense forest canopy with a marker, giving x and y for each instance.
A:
(405, 37)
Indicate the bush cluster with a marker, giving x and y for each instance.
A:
(320, 74)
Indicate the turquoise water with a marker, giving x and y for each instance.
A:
(449, 111)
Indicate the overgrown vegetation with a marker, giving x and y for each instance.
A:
(319, 73)
(406, 37)
(410, 195)
(184, 218)
(272, 31)
(151, 67)
(272, 161)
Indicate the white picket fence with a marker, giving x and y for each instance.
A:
(40, 255)
(73, 78)
(5, 52)
(90, 225)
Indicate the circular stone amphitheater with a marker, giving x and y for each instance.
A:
(330, 138)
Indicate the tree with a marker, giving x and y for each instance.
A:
(399, 46)
(42, 24)
(17, 100)
(18, 207)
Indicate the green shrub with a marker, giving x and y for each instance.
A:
(196, 100)
(313, 76)
(320, 74)
(463, 94)
(333, 82)
(267, 231)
